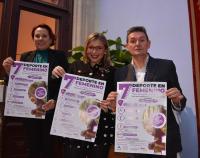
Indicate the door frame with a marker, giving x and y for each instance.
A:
(10, 25)
(194, 16)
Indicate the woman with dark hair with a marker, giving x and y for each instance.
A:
(38, 131)
(96, 64)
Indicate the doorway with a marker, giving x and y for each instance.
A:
(24, 41)
(17, 18)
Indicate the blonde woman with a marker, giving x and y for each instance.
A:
(96, 64)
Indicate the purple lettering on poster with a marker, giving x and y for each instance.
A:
(69, 80)
(126, 88)
(18, 65)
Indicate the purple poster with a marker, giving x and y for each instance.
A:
(27, 90)
(141, 118)
(77, 110)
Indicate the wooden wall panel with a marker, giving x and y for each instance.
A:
(194, 11)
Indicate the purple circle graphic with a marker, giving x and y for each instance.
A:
(93, 111)
(40, 92)
(158, 120)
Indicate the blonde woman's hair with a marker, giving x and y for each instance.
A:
(106, 61)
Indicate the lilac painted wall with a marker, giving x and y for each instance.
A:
(167, 23)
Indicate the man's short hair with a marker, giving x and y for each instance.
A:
(136, 29)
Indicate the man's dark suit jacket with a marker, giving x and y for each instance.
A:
(160, 70)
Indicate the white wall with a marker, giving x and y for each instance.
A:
(167, 24)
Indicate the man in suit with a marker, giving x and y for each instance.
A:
(142, 68)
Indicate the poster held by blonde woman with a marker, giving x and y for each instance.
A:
(78, 109)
